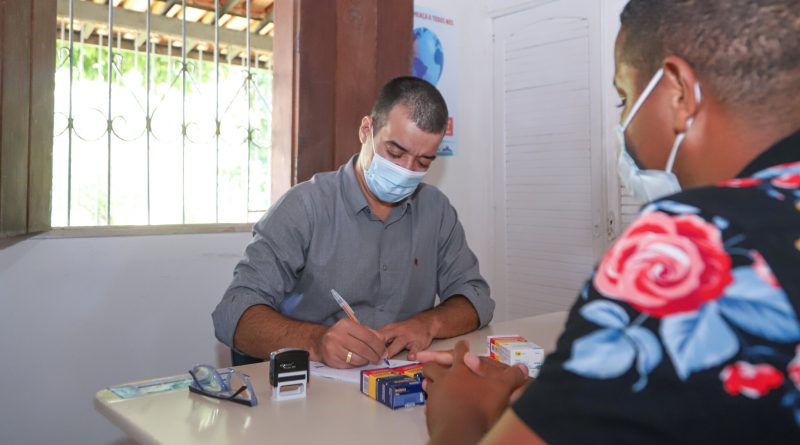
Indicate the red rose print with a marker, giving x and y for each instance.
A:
(793, 370)
(740, 183)
(787, 181)
(665, 265)
(753, 381)
(763, 270)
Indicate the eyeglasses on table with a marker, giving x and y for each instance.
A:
(231, 385)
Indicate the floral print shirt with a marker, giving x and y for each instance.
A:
(687, 331)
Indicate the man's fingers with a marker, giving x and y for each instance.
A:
(361, 349)
(347, 336)
(444, 358)
(388, 332)
(395, 347)
(370, 341)
(356, 360)
(412, 352)
(337, 348)
(378, 334)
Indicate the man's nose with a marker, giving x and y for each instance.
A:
(408, 162)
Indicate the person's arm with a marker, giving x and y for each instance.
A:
(458, 275)
(466, 427)
(262, 330)
(511, 430)
(247, 318)
(466, 304)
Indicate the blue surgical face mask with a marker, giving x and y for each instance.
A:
(388, 181)
(649, 185)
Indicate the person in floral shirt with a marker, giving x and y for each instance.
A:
(687, 331)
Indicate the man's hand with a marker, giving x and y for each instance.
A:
(347, 336)
(413, 334)
(463, 403)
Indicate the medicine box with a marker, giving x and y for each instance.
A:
(514, 349)
(401, 392)
(369, 380)
(394, 387)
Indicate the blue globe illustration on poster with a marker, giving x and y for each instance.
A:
(428, 55)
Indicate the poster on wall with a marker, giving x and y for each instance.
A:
(435, 49)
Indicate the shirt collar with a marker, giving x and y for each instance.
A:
(785, 151)
(355, 197)
(352, 191)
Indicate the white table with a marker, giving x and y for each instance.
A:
(333, 412)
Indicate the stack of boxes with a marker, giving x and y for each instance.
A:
(402, 387)
(394, 387)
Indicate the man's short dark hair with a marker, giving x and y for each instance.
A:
(425, 104)
(745, 52)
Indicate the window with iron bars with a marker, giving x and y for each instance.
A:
(162, 112)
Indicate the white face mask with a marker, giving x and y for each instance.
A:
(649, 185)
(388, 181)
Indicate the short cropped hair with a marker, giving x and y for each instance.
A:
(426, 105)
(745, 52)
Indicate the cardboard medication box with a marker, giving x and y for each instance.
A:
(514, 349)
(400, 391)
(394, 387)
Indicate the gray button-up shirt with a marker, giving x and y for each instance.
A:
(321, 235)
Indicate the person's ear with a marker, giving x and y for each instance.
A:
(684, 91)
(364, 129)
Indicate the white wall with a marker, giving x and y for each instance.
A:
(79, 314)
(466, 178)
(469, 177)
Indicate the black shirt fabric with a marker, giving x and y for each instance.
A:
(687, 332)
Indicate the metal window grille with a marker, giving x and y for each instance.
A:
(161, 117)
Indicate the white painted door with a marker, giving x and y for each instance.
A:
(550, 168)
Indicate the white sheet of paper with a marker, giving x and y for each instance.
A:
(352, 375)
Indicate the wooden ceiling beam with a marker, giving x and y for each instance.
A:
(235, 7)
(228, 6)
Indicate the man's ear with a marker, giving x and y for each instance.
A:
(684, 90)
(364, 129)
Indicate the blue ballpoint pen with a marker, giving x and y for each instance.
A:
(349, 311)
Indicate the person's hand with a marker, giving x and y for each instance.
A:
(482, 366)
(347, 336)
(458, 395)
(412, 334)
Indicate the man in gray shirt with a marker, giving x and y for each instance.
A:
(371, 230)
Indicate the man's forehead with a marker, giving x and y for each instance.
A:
(399, 113)
(401, 122)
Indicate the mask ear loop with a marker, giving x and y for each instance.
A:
(642, 97)
(698, 95)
